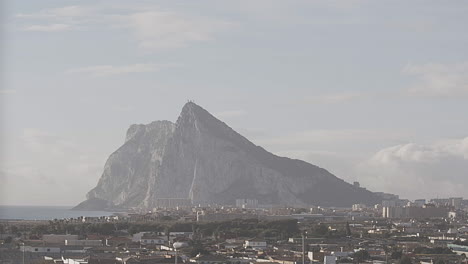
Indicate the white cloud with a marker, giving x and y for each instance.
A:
(48, 28)
(156, 29)
(66, 12)
(413, 171)
(152, 27)
(106, 70)
(438, 79)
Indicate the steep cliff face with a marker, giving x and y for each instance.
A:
(130, 171)
(202, 159)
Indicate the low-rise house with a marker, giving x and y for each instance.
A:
(40, 247)
(85, 243)
(151, 239)
(209, 259)
(118, 241)
(51, 238)
(255, 244)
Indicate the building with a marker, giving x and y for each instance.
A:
(459, 249)
(358, 207)
(247, 203)
(210, 259)
(456, 202)
(173, 203)
(414, 212)
(60, 239)
(255, 244)
(74, 261)
(150, 239)
(84, 243)
(40, 247)
(394, 212)
(419, 202)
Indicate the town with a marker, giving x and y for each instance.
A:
(395, 231)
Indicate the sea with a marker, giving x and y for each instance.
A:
(8, 212)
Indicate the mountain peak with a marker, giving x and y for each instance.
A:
(202, 160)
(190, 106)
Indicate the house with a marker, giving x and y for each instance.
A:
(87, 242)
(209, 259)
(117, 241)
(40, 247)
(150, 239)
(58, 238)
(128, 260)
(74, 261)
(255, 244)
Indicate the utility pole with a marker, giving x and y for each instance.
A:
(303, 247)
(23, 252)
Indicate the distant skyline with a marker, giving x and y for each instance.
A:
(373, 91)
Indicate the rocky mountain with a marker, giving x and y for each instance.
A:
(202, 160)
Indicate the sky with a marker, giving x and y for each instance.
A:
(373, 91)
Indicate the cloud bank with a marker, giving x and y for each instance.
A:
(413, 170)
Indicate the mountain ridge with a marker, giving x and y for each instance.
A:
(202, 159)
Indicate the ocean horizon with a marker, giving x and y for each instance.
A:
(30, 212)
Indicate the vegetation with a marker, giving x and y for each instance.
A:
(432, 251)
(405, 260)
(223, 229)
(361, 256)
(461, 243)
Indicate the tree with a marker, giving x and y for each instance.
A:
(198, 248)
(361, 256)
(8, 240)
(348, 229)
(14, 229)
(167, 232)
(396, 255)
(320, 230)
(405, 260)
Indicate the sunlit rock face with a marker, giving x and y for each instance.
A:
(202, 159)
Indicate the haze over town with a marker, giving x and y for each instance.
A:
(345, 85)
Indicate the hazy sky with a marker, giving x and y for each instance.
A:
(374, 91)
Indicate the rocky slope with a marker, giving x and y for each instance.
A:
(202, 159)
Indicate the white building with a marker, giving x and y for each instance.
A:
(247, 203)
(152, 240)
(84, 243)
(40, 248)
(359, 207)
(255, 244)
(74, 261)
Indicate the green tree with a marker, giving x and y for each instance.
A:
(405, 260)
(348, 229)
(396, 254)
(361, 256)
